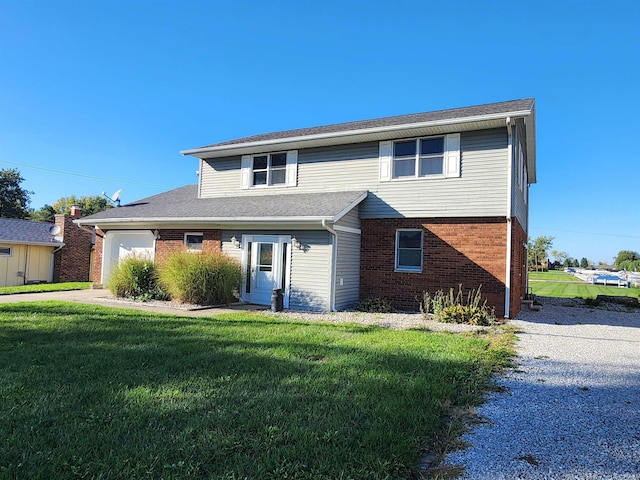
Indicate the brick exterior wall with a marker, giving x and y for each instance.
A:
(518, 267)
(97, 257)
(467, 251)
(171, 240)
(72, 263)
(168, 240)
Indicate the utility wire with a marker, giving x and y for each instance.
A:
(87, 176)
(584, 233)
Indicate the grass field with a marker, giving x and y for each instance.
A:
(45, 287)
(553, 276)
(565, 285)
(95, 392)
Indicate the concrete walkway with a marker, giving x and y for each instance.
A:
(105, 298)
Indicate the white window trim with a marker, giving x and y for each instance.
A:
(450, 164)
(418, 157)
(10, 254)
(399, 268)
(192, 249)
(291, 170)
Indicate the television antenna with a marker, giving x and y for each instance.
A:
(115, 198)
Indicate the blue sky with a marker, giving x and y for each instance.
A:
(110, 91)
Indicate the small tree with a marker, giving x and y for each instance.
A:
(45, 214)
(626, 259)
(584, 263)
(538, 250)
(14, 200)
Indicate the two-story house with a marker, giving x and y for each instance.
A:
(390, 207)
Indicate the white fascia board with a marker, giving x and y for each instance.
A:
(353, 205)
(352, 133)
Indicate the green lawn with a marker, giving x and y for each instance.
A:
(553, 276)
(564, 285)
(45, 287)
(96, 392)
(580, 290)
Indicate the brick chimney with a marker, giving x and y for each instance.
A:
(75, 211)
(72, 263)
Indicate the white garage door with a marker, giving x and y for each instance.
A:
(120, 244)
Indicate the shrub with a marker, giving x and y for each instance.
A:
(454, 307)
(375, 305)
(207, 278)
(135, 277)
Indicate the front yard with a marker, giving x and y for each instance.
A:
(96, 392)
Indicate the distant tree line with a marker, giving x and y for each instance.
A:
(540, 251)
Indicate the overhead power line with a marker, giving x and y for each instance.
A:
(585, 233)
(61, 172)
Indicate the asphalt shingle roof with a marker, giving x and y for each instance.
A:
(450, 114)
(183, 202)
(26, 232)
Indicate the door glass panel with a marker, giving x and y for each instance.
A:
(265, 256)
(283, 281)
(248, 272)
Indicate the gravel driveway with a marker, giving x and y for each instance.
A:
(571, 409)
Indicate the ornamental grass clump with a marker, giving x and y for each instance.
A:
(207, 278)
(135, 277)
(455, 307)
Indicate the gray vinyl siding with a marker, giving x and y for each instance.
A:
(348, 269)
(481, 190)
(519, 206)
(311, 271)
(310, 266)
(350, 220)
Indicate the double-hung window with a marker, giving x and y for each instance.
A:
(279, 169)
(409, 250)
(270, 169)
(426, 157)
(418, 158)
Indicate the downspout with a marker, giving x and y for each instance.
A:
(334, 258)
(507, 285)
(26, 264)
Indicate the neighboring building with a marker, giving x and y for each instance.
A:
(390, 207)
(27, 251)
(74, 262)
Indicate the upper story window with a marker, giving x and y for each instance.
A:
(5, 251)
(420, 158)
(270, 169)
(278, 169)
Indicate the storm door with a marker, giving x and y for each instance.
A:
(266, 267)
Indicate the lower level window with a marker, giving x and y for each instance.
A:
(409, 250)
(193, 241)
(5, 251)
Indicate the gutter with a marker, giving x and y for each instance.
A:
(239, 220)
(334, 258)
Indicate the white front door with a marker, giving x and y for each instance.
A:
(266, 264)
